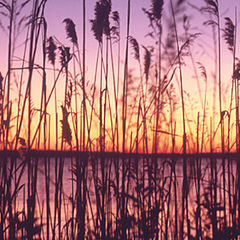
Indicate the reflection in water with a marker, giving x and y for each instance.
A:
(120, 197)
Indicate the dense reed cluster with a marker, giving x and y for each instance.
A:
(125, 120)
(119, 196)
(85, 160)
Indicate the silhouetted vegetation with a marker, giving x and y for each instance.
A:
(122, 154)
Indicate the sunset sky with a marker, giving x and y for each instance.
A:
(202, 50)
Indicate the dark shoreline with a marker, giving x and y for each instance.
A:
(53, 153)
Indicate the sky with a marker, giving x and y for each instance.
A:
(202, 49)
(55, 13)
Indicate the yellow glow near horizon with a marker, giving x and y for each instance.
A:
(202, 51)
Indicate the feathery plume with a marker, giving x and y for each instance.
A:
(64, 55)
(156, 9)
(149, 15)
(229, 32)
(154, 14)
(236, 73)
(66, 131)
(51, 48)
(107, 10)
(203, 71)
(116, 17)
(212, 7)
(147, 62)
(115, 30)
(101, 25)
(135, 47)
(71, 31)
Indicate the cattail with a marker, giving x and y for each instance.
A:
(66, 131)
(156, 9)
(135, 47)
(229, 32)
(101, 25)
(71, 31)
(51, 48)
(147, 62)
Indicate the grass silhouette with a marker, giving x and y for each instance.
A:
(124, 165)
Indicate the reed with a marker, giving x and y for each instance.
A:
(125, 81)
(11, 9)
(51, 53)
(84, 71)
(72, 35)
(133, 192)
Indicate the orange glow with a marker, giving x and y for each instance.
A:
(105, 71)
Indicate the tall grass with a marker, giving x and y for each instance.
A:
(159, 62)
(139, 193)
(150, 191)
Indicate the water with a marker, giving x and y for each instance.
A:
(114, 197)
